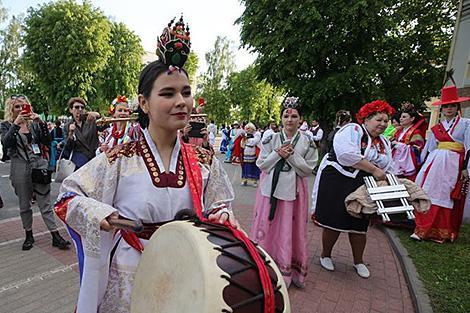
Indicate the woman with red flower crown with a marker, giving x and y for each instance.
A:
(358, 150)
(445, 172)
(118, 132)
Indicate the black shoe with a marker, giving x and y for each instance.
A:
(59, 242)
(28, 242)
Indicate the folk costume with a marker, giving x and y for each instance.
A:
(280, 213)
(250, 152)
(236, 137)
(225, 140)
(337, 177)
(407, 147)
(134, 183)
(447, 151)
(113, 135)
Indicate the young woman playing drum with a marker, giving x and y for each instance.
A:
(148, 180)
(358, 150)
(280, 215)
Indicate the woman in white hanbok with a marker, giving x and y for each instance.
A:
(149, 180)
(445, 172)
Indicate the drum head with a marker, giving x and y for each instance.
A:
(184, 269)
(176, 273)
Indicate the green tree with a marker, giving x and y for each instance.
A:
(220, 63)
(66, 45)
(252, 99)
(340, 54)
(10, 48)
(191, 66)
(120, 76)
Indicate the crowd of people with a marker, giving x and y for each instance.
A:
(152, 168)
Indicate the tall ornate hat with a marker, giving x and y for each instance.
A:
(174, 44)
(449, 95)
(291, 103)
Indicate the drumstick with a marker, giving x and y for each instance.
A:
(135, 226)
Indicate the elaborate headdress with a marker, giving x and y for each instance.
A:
(174, 44)
(118, 100)
(407, 107)
(290, 103)
(377, 106)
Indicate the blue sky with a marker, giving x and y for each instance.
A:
(207, 19)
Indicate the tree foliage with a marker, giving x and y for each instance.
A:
(232, 95)
(120, 76)
(191, 66)
(10, 48)
(251, 99)
(66, 45)
(340, 54)
(220, 63)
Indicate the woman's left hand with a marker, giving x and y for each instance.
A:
(464, 175)
(222, 216)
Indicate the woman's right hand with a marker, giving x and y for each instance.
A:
(104, 224)
(379, 174)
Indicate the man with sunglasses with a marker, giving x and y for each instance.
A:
(23, 133)
(81, 133)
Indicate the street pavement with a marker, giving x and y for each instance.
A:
(45, 279)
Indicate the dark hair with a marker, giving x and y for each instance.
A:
(396, 117)
(410, 109)
(147, 77)
(76, 99)
(298, 108)
(342, 116)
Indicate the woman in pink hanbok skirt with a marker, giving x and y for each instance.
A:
(281, 208)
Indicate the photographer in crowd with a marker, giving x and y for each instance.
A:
(25, 135)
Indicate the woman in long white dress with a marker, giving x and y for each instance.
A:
(148, 180)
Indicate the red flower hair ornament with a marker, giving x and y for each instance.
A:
(118, 100)
(371, 108)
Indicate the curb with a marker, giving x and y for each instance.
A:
(419, 297)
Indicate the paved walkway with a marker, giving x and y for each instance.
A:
(45, 280)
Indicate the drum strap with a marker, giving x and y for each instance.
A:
(195, 183)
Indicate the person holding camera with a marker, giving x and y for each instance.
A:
(81, 134)
(24, 134)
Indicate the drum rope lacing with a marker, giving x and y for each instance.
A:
(259, 263)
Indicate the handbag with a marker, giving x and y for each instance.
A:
(64, 168)
(38, 175)
(41, 176)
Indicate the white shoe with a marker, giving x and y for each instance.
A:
(415, 237)
(362, 270)
(327, 264)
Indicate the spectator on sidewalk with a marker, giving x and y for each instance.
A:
(57, 137)
(359, 150)
(24, 134)
(81, 133)
(280, 217)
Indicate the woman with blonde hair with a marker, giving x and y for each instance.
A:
(23, 133)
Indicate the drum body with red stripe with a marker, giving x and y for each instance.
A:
(195, 267)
